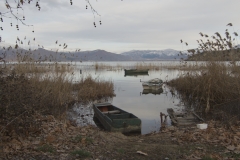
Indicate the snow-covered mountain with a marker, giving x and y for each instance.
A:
(96, 55)
(167, 54)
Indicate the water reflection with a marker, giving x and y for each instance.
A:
(148, 104)
(135, 74)
(152, 91)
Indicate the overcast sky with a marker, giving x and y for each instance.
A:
(126, 25)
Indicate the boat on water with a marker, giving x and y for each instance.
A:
(152, 84)
(136, 71)
(115, 119)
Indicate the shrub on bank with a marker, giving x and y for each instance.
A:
(24, 95)
(219, 81)
(215, 85)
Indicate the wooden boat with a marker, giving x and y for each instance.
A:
(153, 84)
(136, 71)
(183, 119)
(152, 91)
(115, 119)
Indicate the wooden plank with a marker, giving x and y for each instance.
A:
(185, 124)
(198, 116)
(183, 119)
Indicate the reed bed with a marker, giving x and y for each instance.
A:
(150, 66)
(35, 68)
(187, 66)
(212, 88)
(107, 66)
(138, 65)
(214, 83)
(89, 89)
(25, 91)
(35, 92)
(183, 65)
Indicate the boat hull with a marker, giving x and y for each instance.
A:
(153, 84)
(136, 71)
(155, 87)
(121, 121)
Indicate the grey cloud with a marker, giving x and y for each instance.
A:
(135, 23)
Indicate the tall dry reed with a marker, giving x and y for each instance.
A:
(24, 93)
(216, 82)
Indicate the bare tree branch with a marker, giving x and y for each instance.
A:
(15, 5)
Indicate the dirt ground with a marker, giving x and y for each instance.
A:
(64, 140)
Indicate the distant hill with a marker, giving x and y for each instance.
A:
(100, 55)
(40, 54)
(167, 54)
(96, 55)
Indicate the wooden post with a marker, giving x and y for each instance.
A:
(161, 115)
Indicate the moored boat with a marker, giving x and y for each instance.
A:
(115, 119)
(136, 71)
(153, 84)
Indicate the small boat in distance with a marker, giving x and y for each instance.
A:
(153, 84)
(136, 71)
(115, 119)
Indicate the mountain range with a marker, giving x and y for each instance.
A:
(40, 54)
(167, 54)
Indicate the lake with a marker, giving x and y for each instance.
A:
(129, 92)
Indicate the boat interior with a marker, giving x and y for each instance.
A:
(120, 116)
(113, 113)
(105, 108)
(108, 110)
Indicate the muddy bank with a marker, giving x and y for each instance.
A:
(64, 140)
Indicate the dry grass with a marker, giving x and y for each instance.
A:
(31, 89)
(106, 66)
(89, 89)
(51, 91)
(35, 68)
(150, 66)
(215, 82)
(211, 87)
(170, 66)
(138, 65)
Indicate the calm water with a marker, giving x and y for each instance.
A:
(129, 96)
